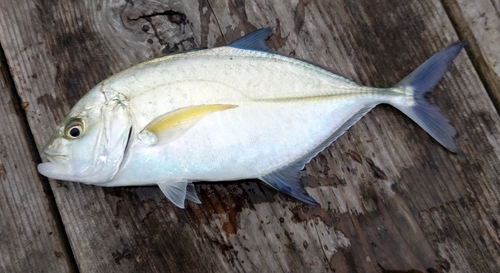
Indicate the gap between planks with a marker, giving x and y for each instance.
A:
(28, 135)
(464, 32)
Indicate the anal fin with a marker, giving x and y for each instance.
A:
(287, 178)
(288, 181)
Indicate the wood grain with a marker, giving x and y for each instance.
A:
(391, 198)
(31, 234)
(478, 22)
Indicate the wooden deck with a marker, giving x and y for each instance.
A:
(392, 199)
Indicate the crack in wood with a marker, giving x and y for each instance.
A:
(216, 21)
(173, 16)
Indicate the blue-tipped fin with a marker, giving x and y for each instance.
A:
(420, 82)
(287, 179)
(255, 40)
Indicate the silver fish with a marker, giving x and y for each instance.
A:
(229, 113)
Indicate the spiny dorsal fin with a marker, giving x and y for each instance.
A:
(255, 40)
(173, 124)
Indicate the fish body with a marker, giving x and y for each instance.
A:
(228, 113)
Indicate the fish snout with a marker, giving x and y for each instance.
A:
(55, 165)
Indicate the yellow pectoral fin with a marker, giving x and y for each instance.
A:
(175, 123)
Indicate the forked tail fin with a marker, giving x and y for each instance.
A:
(422, 81)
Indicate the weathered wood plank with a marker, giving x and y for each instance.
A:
(478, 23)
(31, 237)
(391, 197)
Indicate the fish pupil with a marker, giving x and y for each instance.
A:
(74, 132)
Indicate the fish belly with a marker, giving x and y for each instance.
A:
(249, 141)
(257, 139)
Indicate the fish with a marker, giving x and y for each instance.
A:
(236, 112)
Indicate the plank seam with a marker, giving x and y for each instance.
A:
(28, 134)
(473, 51)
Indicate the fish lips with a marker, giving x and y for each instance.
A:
(62, 167)
(52, 170)
(55, 167)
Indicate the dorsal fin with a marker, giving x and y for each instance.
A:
(255, 40)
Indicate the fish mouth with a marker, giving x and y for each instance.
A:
(54, 167)
(53, 170)
(54, 157)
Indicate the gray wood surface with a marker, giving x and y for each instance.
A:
(31, 236)
(478, 23)
(391, 198)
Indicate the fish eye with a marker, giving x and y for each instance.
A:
(74, 129)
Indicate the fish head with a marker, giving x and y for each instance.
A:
(89, 145)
